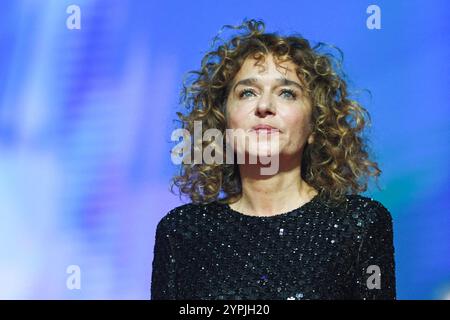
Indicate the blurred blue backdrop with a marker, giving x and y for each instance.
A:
(86, 117)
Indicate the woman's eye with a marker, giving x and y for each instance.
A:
(246, 93)
(287, 93)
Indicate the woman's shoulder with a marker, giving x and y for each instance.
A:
(367, 209)
(184, 215)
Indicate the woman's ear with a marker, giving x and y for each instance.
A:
(311, 138)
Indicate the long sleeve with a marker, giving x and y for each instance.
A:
(163, 267)
(375, 265)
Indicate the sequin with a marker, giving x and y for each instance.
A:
(210, 251)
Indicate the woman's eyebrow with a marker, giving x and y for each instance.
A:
(279, 81)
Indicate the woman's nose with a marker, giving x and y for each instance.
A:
(265, 106)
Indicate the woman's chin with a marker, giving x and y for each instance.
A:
(263, 153)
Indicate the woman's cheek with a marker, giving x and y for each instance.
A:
(234, 121)
(237, 118)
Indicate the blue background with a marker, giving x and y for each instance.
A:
(86, 117)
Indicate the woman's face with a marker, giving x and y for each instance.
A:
(267, 94)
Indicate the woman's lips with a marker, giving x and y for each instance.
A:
(267, 129)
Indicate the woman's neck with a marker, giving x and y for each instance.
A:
(271, 195)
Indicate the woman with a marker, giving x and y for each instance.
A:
(302, 232)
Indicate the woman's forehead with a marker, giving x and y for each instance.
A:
(267, 65)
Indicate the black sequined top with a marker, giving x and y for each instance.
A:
(210, 251)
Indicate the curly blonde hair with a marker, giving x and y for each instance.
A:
(336, 163)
